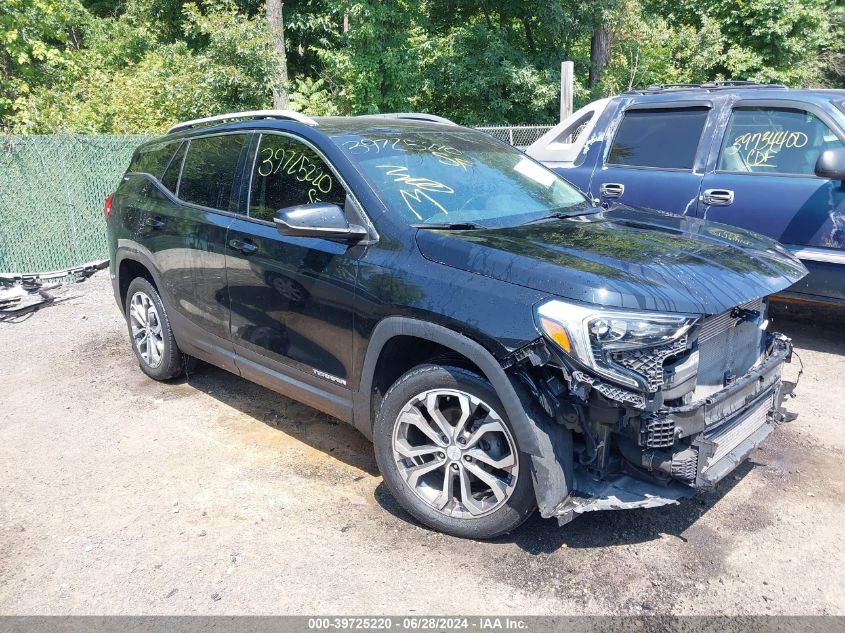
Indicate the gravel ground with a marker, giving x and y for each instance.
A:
(211, 495)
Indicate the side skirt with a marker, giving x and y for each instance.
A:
(294, 383)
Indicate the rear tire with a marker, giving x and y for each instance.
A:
(448, 454)
(149, 330)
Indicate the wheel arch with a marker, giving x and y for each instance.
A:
(130, 264)
(549, 444)
(449, 346)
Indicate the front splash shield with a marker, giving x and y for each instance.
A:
(620, 493)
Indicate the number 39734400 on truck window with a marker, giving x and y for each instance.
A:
(506, 344)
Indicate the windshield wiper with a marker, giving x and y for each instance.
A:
(451, 226)
(559, 215)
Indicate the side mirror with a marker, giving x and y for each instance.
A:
(319, 219)
(831, 164)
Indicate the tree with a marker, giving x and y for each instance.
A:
(765, 40)
(139, 65)
(375, 66)
(35, 39)
(126, 80)
(599, 53)
(474, 61)
(276, 21)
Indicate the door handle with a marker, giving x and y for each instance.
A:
(156, 223)
(717, 197)
(247, 247)
(612, 190)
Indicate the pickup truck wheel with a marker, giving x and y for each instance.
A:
(149, 329)
(449, 456)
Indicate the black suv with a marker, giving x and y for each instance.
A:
(505, 343)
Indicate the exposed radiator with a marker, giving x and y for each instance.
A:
(728, 346)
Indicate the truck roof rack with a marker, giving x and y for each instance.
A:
(707, 86)
(249, 114)
(417, 116)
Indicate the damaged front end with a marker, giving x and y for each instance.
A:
(658, 406)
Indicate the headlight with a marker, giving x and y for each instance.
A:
(592, 334)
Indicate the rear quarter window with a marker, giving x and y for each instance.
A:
(152, 160)
(170, 179)
(660, 138)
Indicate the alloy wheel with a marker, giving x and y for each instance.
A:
(145, 323)
(456, 453)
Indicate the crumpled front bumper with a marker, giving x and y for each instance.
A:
(715, 436)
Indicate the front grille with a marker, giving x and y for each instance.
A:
(728, 436)
(649, 362)
(610, 391)
(659, 432)
(728, 346)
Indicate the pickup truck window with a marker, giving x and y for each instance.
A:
(661, 138)
(775, 141)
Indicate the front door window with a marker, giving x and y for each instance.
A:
(783, 141)
(288, 173)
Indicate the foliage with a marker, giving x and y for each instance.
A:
(139, 65)
(473, 61)
(36, 41)
(128, 80)
(650, 49)
(476, 75)
(376, 67)
(313, 97)
(765, 40)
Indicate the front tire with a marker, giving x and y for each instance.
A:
(149, 329)
(448, 454)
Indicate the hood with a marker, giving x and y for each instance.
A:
(626, 258)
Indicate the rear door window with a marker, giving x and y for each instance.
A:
(209, 171)
(763, 140)
(658, 138)
(289, 173)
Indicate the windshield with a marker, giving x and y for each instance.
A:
(461, 176)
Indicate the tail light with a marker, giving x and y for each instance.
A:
(107, 207)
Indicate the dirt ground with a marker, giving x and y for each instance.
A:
(211, 495)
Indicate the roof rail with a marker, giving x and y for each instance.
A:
(418, 116)
(708, 86)
(249, 114)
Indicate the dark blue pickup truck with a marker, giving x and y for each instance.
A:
(763, 157)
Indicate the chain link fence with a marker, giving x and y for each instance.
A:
(52, 189)
(520, 136)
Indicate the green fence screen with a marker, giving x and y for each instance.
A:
(52, 190)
